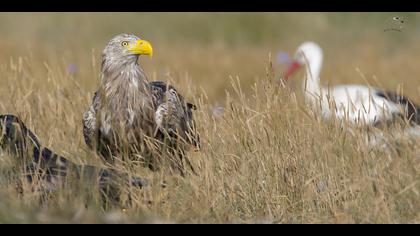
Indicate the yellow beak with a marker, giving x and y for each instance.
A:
(142, 47)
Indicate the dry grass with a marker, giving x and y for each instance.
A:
(267, 159)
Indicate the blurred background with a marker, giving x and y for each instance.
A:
(208, 48)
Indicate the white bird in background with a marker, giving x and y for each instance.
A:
(359, 105)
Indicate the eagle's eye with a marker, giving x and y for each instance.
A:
(124, 44)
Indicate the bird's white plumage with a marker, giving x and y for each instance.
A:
(356, 104)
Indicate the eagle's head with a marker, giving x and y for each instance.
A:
(126, 47)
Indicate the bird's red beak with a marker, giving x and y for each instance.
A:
(292, 68)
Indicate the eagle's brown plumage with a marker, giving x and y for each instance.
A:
(49, 171)
(129, 111)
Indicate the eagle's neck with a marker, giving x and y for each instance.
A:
(117, 71)
(125, 92)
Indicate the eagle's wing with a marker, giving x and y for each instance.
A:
(89, 122)
(173, 114)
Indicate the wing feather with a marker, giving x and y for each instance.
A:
(173, 114)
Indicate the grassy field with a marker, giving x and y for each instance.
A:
(266, 160)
